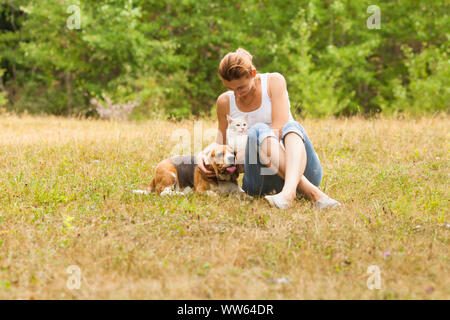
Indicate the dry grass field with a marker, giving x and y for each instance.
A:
(66, 199)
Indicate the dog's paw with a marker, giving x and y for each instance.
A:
(168, 191)
(141, 191)
(211, 193)
(244, 196)
(187, 190)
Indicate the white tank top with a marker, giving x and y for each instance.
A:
(263, 113)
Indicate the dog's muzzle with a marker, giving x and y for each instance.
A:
(230, 159)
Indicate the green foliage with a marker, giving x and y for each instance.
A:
(428, 85)
(3, 99)
(316, 90)
(166, 54)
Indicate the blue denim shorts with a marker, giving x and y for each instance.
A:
(258, 178)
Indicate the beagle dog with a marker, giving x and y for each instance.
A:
(181, 172)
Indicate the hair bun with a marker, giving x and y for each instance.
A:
(236, 64)
(244, 53)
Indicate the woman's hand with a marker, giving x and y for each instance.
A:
(239, 160)
(201, 160)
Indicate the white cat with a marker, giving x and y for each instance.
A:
(237, 132)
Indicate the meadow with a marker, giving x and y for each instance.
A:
(66, 200)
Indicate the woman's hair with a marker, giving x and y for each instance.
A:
(236, 65)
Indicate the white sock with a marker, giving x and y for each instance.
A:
(278, 201)
(326, 202)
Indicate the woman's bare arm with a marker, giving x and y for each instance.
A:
(280, 102)
(240, 157)
(222, 109)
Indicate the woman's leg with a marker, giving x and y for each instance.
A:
(291, 160)
(295, 159)
(258, 179)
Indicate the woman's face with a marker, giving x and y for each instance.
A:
(241, 87)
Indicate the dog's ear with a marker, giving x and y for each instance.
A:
(214, 167)
(211, 161)
(209, 155)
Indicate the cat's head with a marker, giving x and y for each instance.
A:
(238, 124)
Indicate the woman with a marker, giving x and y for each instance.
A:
(279, 156)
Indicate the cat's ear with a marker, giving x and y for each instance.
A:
(246, 117)
(229, 119)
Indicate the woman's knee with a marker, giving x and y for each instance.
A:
(255, 137)
(257, 129)
(263, 131)
(293, 126)
(292, 123)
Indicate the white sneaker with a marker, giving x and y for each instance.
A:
(326, 202)
(278, 201)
